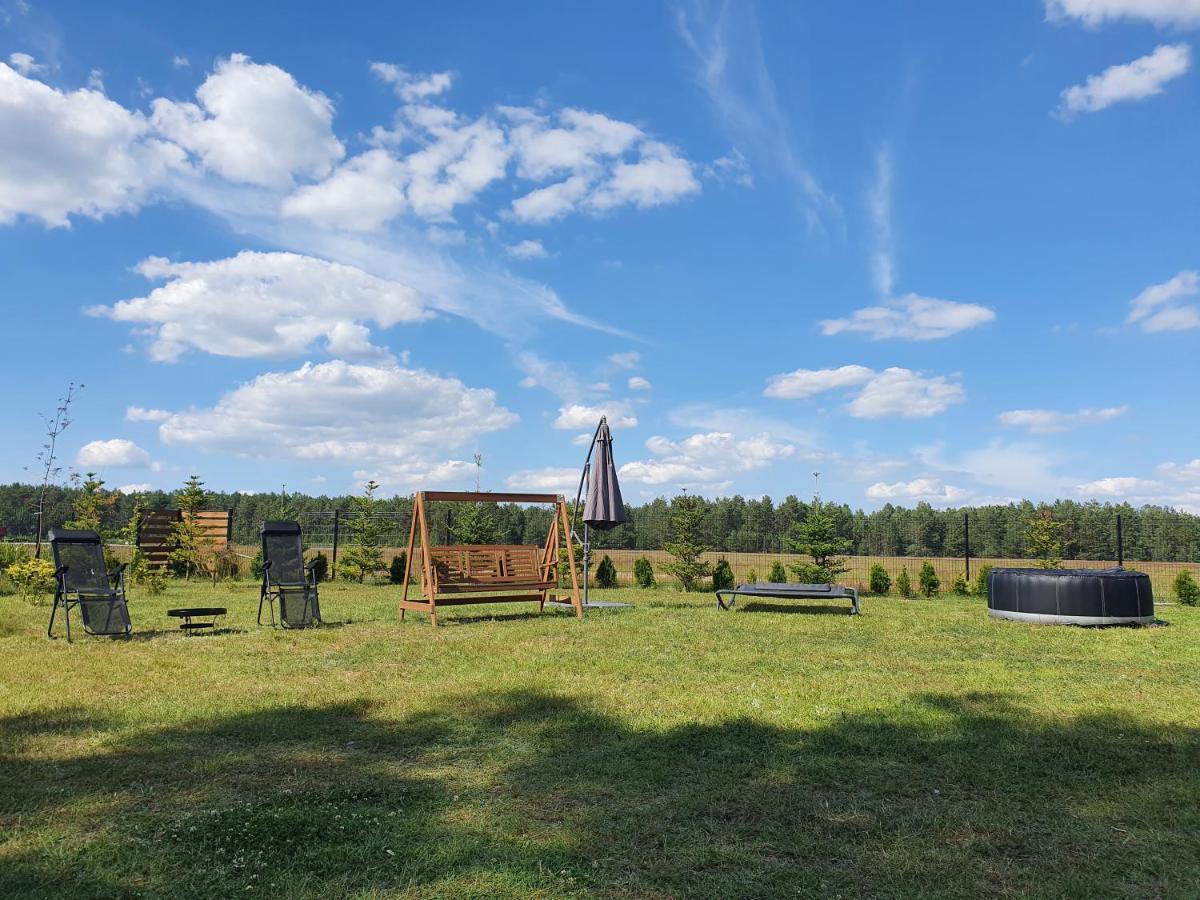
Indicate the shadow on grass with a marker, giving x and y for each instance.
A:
(805, 609)
(528, 794)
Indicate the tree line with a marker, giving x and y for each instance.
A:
(728, 524)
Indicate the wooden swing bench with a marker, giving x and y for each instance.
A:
(461, 574)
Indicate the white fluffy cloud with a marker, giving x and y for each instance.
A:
(362, 195)
(1119, 486)
(931, 490)
(527, 250)
(141, 414)
(1170, 306)
(140, 487)
(1049, 421)
(1097, 12)
(894, 392)
(804, 383)
(1137, 80)
(583, 415)
(912, 318)
(600, 163)
(114, 453)
(265, 305)
(24, 63)
(625, 360)
(708, 459)
(254, 124)
(398, 418)
(413, 88)
(1188, 471)
(905, 394)
(638, 383)
(73, 153)
(550, 480)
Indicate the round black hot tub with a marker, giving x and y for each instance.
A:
(1071, 596)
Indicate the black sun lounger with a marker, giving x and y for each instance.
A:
(82, 580)
(286, 578)
(764, 590)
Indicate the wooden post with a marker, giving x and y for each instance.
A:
(427, 586)
(566, 528)
(412, 537)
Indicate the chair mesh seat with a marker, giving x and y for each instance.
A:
(285, 578)
(84, 581)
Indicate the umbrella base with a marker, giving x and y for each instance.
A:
(593, 604)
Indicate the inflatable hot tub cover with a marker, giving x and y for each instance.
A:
(1071, 596)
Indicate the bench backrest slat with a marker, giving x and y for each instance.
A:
(502, 564)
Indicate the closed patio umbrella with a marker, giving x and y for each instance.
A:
(604, 508)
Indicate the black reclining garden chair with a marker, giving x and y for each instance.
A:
(82, 580)
(286, 578)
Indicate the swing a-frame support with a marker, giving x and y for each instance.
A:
(460, 574)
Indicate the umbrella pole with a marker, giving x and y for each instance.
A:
(587, 553)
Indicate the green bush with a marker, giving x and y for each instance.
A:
(13, 553)
(643, 572)
(778, 574)
(396, 569)
(224, 564)
(320, 566)
(34, 578)
(959, 586)
(928, 579)
(606, 573)
(880, 581)
(256, 565)
(904, 583)
(154, 581)
(813, 573)
(1187, 591)
(722, 576)
(751, 577)
(981, 580)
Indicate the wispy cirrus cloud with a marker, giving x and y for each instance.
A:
(1049, 421)
(732, 70)
(911, 317)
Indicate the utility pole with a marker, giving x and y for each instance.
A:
(478, 470)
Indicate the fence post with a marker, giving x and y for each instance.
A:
(1120, 543)
(967, 542)
(336, 529)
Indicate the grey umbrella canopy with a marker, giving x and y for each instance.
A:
(604, 508)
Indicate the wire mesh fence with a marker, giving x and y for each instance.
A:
(955, 546)
(755, 536)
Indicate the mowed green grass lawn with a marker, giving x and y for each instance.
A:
(668, 750)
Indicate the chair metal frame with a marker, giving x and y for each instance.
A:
(272, 591)
(66, 597)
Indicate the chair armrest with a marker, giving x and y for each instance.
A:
(266, 564)
(60, 571)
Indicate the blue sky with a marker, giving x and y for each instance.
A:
(940, 252)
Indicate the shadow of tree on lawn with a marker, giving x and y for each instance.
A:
(528, 794)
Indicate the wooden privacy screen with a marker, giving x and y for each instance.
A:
(156, 535)
(459, 574)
